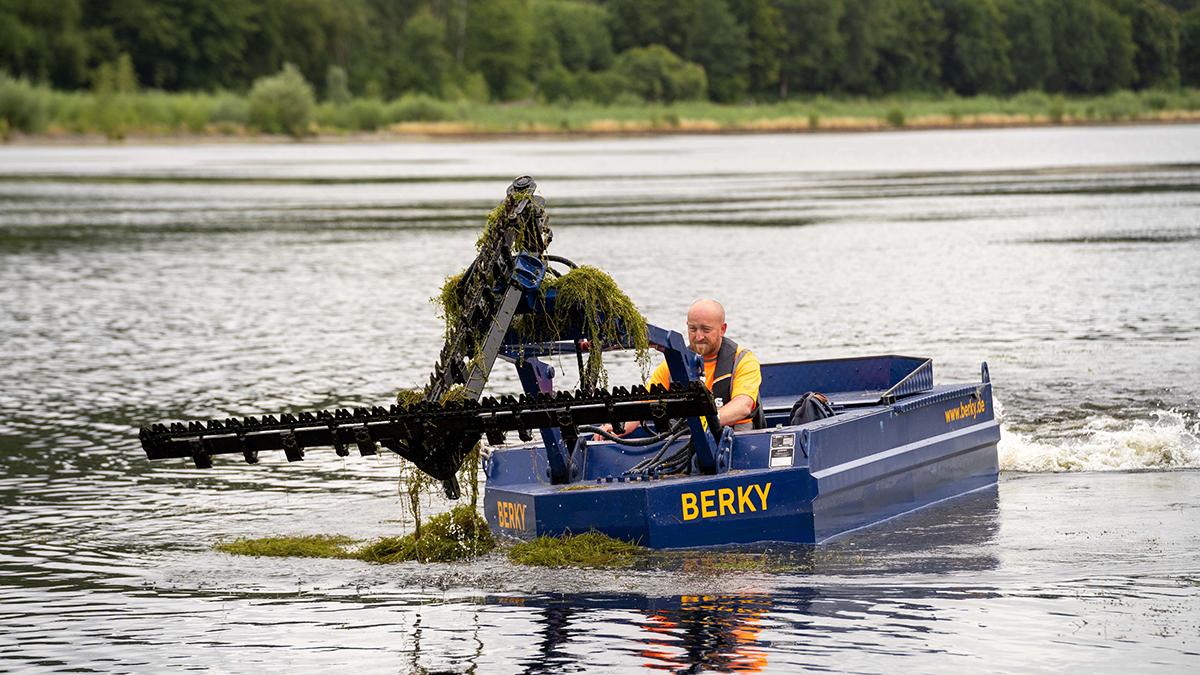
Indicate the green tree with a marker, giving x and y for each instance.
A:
(1155, 29)
(1189, 48)
(1093, 48)
(767, 42)
(498, 45)
(975, 56)
(861, 26)
(182, 45)
(1031, 42)
(45, 41)
(569, 37)
(718, 42)
(423, 63)
(282, 103)
(337, 85)
(909, 47)
(656, 74)
(814, 47)
(116, 77)
(577, 32)
(640, 23)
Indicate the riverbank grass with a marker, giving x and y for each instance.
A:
(36, 111)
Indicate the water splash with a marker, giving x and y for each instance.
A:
(1169, 440)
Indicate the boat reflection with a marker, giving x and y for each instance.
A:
(795, 592)
(708, 632)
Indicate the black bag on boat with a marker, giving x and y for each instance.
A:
(811, 407)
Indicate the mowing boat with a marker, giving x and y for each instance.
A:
(841, 444)
(894, 443)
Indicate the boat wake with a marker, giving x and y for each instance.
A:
(1168, 440)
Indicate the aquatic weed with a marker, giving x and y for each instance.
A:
(456, 535)
(309, 546)
(590, 550)
(447, 537)
(609, 317)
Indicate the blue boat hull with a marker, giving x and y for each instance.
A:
(802, 484)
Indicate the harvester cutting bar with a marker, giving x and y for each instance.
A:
(435, 438)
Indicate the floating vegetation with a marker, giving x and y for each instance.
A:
(590, 550)
(310, 546)
(447, 537)
(728, 561)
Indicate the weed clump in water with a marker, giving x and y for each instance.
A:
(591, 550)
(310, 546)
(447, 537)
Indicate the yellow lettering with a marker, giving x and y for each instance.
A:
(725, 501)
(720, 501)
(690, 512)
(744, 503)
(510, 515)
(762, 494)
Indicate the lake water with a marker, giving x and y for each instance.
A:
(143, 284)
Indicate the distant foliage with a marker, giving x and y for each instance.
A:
(1189, 48)
(337, 85)
(585, 50)
(654, 73)
(22, 106)
(282, 103)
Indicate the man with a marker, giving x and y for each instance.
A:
(736, 387)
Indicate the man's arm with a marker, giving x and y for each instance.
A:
(736, 410)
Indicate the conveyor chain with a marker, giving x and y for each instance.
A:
(482, 290)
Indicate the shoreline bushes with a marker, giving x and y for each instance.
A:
(284, 108)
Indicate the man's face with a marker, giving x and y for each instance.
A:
(705, 330)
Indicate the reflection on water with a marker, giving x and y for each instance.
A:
(142, 284)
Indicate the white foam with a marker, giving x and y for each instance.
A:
(1168, 441)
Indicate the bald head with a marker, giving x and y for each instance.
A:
(706, 327)
(707, 308)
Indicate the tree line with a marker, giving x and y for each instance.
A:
(607, 51)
